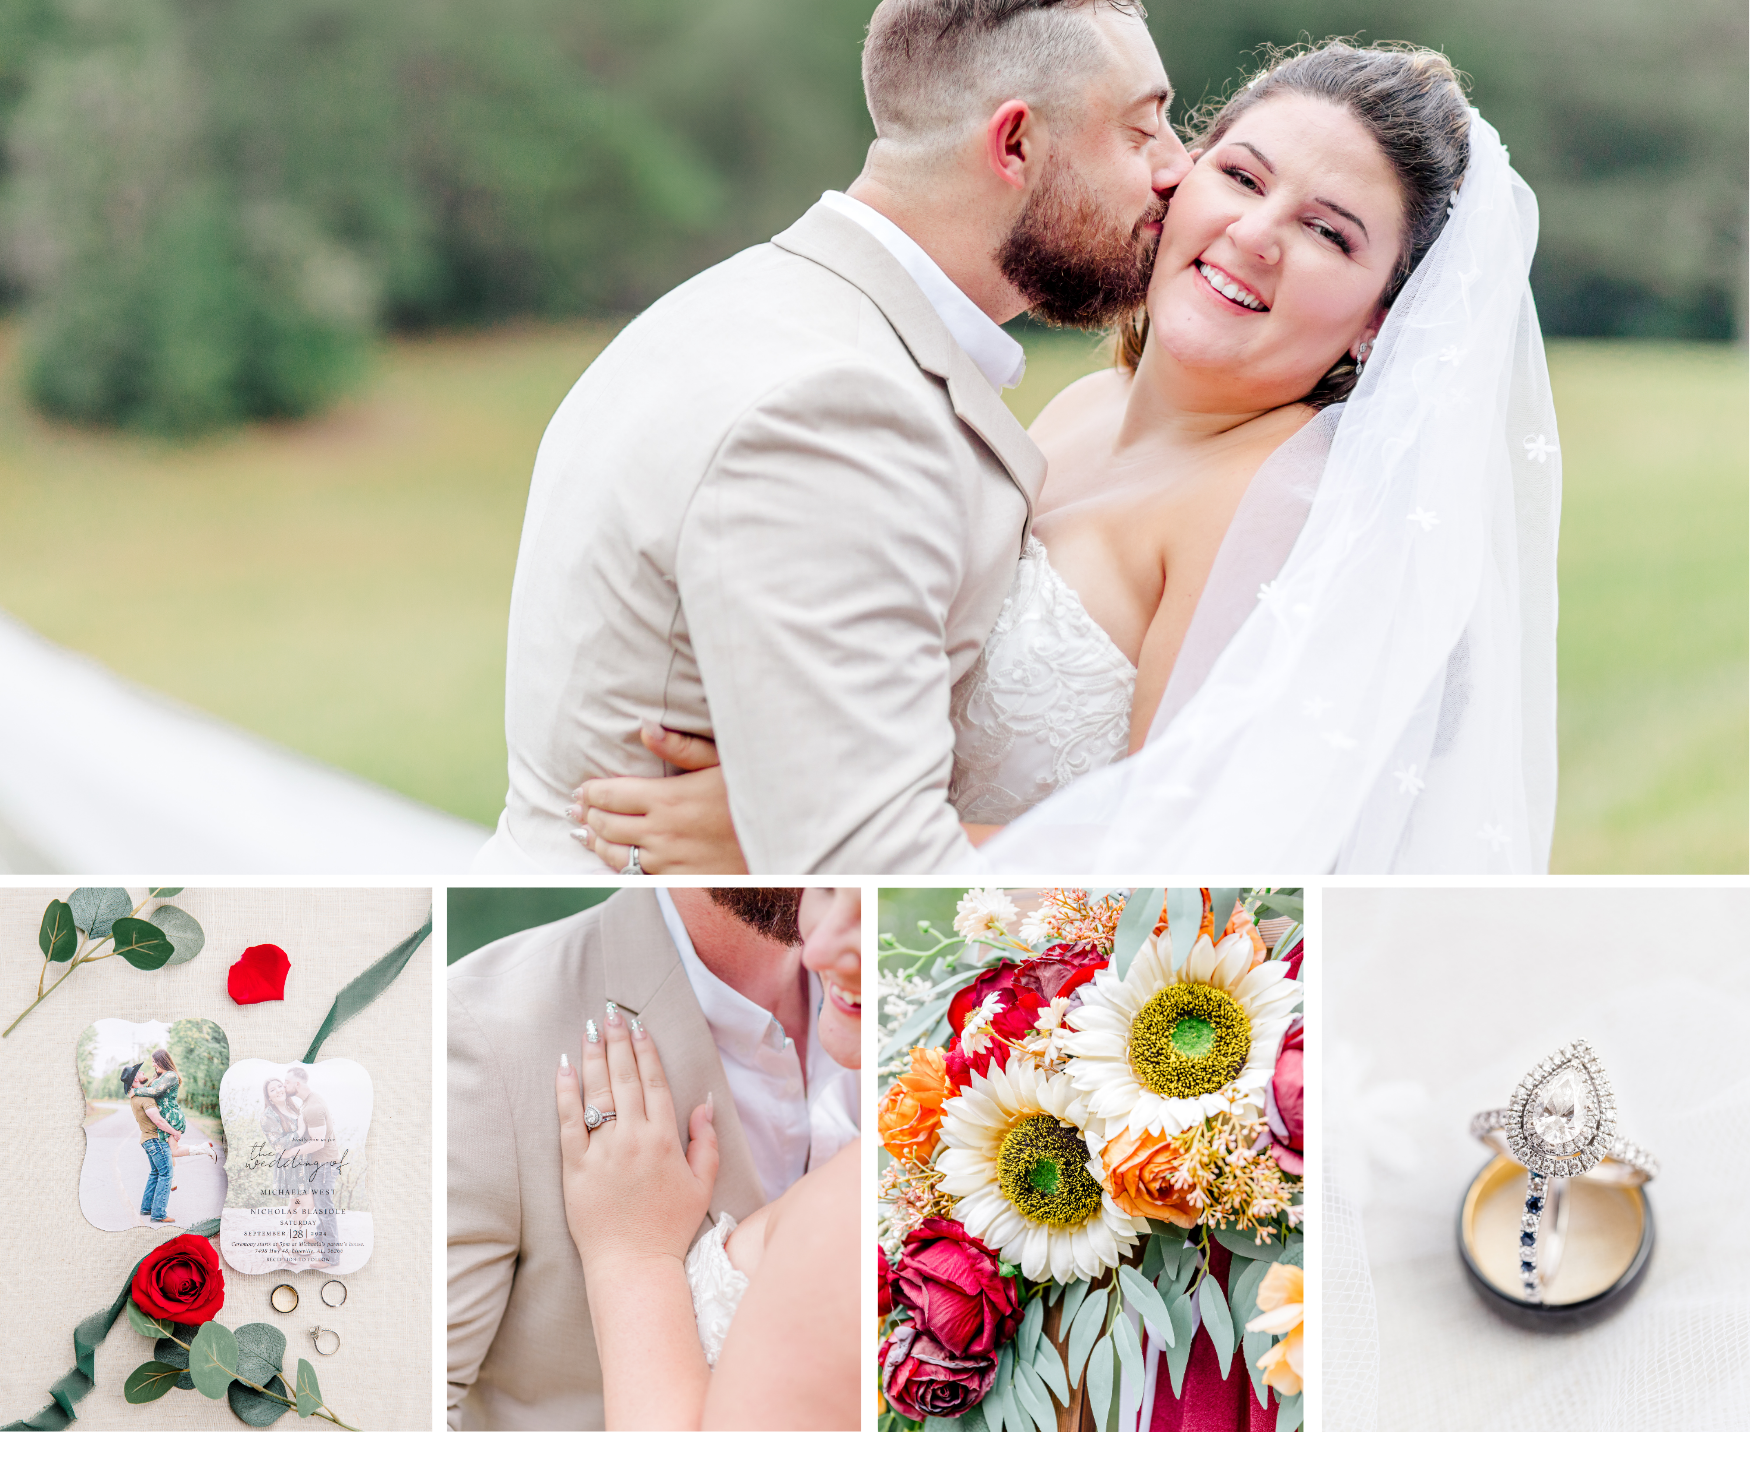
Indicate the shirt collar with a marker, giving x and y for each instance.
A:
(999, 358)
(737, 1024)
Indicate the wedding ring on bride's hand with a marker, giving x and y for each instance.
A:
(593, 1118)
(1560, 1126)
(317, 1333)
(632, 868)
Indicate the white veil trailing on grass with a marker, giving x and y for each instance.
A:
(1382, 698)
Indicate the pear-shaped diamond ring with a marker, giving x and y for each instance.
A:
(1560, 1123)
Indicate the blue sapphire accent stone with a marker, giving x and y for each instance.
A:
(1532, 1205)
(1527, 1268)
(1528, 1238)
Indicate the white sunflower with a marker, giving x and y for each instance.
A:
(1015, 1158)
(1158, 1051)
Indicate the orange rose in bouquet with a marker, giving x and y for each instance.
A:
(1139, 1173)
(911, 1111)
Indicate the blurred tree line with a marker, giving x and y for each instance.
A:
(210, 207)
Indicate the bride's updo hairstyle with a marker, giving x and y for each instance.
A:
(1412, 102)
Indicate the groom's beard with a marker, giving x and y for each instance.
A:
(1075, 265)
(770, 910)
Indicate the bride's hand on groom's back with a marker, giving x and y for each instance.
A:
(679, 824)
(630, 1192)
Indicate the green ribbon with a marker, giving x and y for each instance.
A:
(74, 1385)
(367, 986)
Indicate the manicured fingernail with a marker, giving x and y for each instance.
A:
(578, 813)
(582, 835)
(638, 1026)
(591, 1033)
(564, 1065)
(710, 1106)
(614, 1013)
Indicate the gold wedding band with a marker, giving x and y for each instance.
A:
(284, 1303)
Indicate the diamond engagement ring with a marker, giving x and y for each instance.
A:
(632, 868)
(1560, 1123)
(593, 1118)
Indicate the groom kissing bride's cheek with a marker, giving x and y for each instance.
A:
(798, 594)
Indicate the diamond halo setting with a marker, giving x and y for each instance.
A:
(1561, 1121)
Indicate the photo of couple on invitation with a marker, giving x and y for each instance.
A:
(798, 594)
(654, 1208)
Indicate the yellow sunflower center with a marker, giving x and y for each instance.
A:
(1042, 1169)
(1188, 1040)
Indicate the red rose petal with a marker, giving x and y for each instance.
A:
(259, 974)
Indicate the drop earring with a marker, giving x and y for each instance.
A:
(1362, 350)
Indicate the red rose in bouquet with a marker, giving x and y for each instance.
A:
(884, 1279)
(180, 1281)
(1284, 1101)
(1060, 969)
(922, 1379)
(952, 1285)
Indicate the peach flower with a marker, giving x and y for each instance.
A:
(911, 1111)
(1281, 1312)
(1139, 1176)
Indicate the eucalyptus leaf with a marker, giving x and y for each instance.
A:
(1055, 1294)
(1243, 1299)
(58, 937)
(1049, 1365)
(1254, 1345)
(1294, 1251)
(1184, 1316)
(256, 1409)
(972, 1421)
(1032, 1323)
(1284, 905)
(1074, 1294)
(1222, 901)
(261, 1349)
(186, 937)
(1129, 1348)
(1141, 913)
(1014, 1416)
(164, 891)
(148, 1381)
(1082, 1333)
(1238, 1242)
(1288, 1414)
(1154, 1258)
(932, 1424)
(212, 1360)
(1100, 1367)
(1178, 1274)
(173, 1354)
(1216, 1316)
(146, 1326)
(1149, 1303)
(143, 945)
(1031, 1394)
(96, 908)
(915, 1028)
(1185, 918)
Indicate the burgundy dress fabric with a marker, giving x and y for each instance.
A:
(1210, 1403)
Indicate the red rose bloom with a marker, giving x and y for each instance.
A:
(958, 1066)
(922, 1379)
(180, 1281)
(950, 1281)
(1293, 958)
(1061, 969)
(883, 1281)
(259, 974)
(1284, 1101)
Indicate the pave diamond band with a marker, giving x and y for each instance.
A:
(1560, 1123)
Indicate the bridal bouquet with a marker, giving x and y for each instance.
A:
(1091, 1160)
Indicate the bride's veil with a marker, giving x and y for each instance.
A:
(1379, 696)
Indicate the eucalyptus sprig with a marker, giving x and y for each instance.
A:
(217, 1362)
(108, 914)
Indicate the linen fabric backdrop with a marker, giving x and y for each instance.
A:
(1438, 1001)
(58, 1269)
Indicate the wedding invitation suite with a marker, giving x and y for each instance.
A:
(299, 1196)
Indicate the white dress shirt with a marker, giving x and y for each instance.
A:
(788, 1130)
(999, 358)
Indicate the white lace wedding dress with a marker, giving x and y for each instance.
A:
(1047, 702)
(717, 1286)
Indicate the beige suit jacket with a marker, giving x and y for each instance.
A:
(522, 1354)
(782, 509)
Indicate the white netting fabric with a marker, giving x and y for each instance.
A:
(1437, 1002)
(1385, 699)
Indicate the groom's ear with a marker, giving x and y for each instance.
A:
(1011, 143)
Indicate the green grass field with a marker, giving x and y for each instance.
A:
(341, 586)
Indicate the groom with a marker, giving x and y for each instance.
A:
(716, 976)
(783, 508)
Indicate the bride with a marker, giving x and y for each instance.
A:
(1289, 598)
(756, 1326)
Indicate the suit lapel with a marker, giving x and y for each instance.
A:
(662, 997)
(843, 247)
